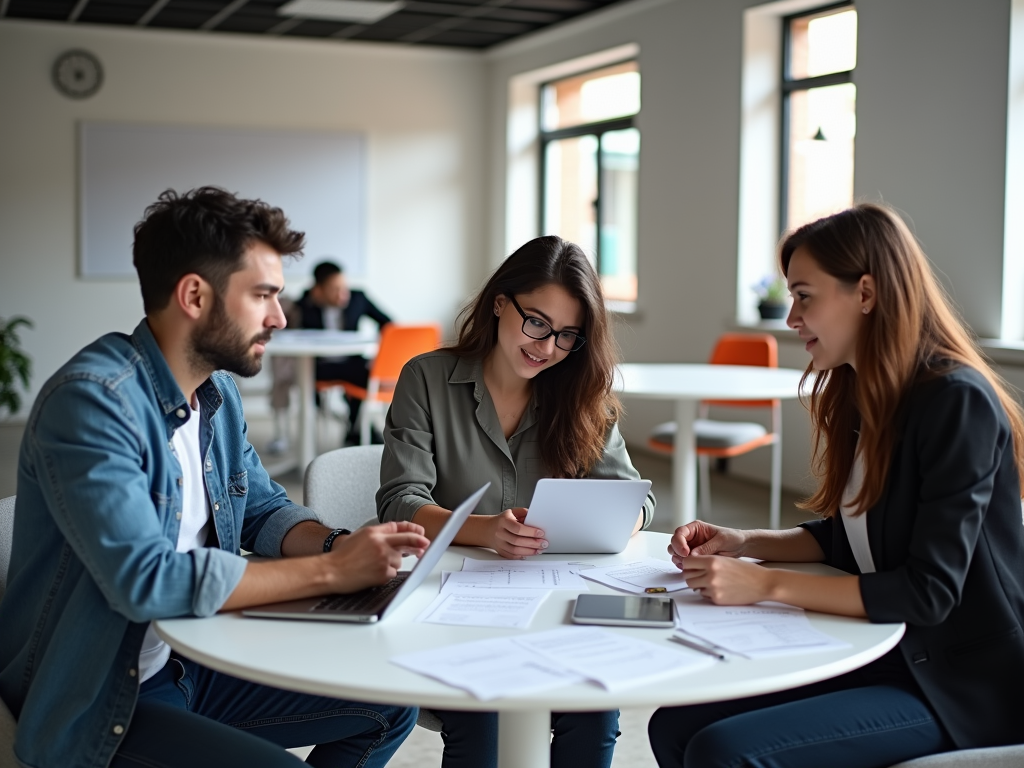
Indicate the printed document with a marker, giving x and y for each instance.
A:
(476, 607)
(528, 663)
(612, 660)
(755, 631)
(489, 668)
(639, 577)
(556, 574)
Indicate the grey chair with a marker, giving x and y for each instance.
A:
(8, 724)
(341, 486)
(988, 757)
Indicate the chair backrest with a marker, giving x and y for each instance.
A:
(759, 349)
(6, 538)
(398, 345)
(340, 485)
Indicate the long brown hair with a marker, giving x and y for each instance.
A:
(575, 402)
(911, 335)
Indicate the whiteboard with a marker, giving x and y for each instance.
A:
(317, 179)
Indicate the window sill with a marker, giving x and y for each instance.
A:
(622, 307)
(999, 351)
(776, 328)
(1003, 351)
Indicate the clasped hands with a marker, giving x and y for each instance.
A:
(708, 557)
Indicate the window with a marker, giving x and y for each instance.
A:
(819, 117)
(590, 152)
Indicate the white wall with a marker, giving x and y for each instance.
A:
(421, 110)
(932, 84)
(932, 136)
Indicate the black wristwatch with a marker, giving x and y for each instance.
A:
(333, 535)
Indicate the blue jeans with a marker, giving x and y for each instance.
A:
(581, 739)
(874, 717)
(188, 715)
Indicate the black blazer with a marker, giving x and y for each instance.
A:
(358, 305)
(948, 545)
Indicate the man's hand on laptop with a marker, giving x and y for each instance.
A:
(371, 556)
(367, 558)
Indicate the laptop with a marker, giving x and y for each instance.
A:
(374, 604)
(586, 515)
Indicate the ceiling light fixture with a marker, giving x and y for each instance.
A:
(361, 11)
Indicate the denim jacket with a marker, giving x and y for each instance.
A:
(95, 528)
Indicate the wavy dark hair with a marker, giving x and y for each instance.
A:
(205, 231)
(912, 335)
(575, 403)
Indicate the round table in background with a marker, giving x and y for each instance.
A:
(686, 384)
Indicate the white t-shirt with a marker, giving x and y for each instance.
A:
(195, 525)
(857, 527)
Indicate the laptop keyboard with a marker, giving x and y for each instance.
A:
(367, 601)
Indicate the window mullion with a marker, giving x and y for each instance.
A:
(599, 159)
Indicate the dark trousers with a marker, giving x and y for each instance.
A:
(354, 370)
(581, 739)
(873, 717)
(188, 715)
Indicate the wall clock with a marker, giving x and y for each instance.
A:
(77, 74)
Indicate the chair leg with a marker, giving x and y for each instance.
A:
(704, 486)
(775, 515)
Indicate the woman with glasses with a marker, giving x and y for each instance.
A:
(524, 393)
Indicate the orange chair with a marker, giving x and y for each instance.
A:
(724, 439)
(398, 345)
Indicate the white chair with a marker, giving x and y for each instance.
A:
(8, 725)
(341, 487)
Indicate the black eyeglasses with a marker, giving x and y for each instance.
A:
(537, 329)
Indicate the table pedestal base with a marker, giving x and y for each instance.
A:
(684, 464)
(524, 739)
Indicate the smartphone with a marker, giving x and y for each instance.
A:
(624, 610)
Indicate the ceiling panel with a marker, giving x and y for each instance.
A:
(458, 23)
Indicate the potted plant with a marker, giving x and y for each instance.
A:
(773, 293)
(15, 365)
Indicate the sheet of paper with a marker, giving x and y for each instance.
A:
(612, 660)
(755, 631)
(474, 607)
(640, 576)
(535, 578)
(489, 668)
(547, 574)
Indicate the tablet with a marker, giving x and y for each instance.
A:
(624, 610)
(594, 516)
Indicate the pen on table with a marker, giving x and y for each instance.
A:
(697, 647)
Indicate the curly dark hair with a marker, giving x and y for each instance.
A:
(205, 231)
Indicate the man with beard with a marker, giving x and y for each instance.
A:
(137, 488)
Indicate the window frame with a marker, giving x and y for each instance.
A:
(788, 86)
(596, 129)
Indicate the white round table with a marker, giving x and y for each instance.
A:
(351, 661)
(307, 345)
(687, 384)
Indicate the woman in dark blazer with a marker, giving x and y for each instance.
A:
(918, 452)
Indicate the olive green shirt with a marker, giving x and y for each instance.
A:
(443, 440)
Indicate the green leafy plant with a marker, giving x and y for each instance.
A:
(772, 289)
(15, 365)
